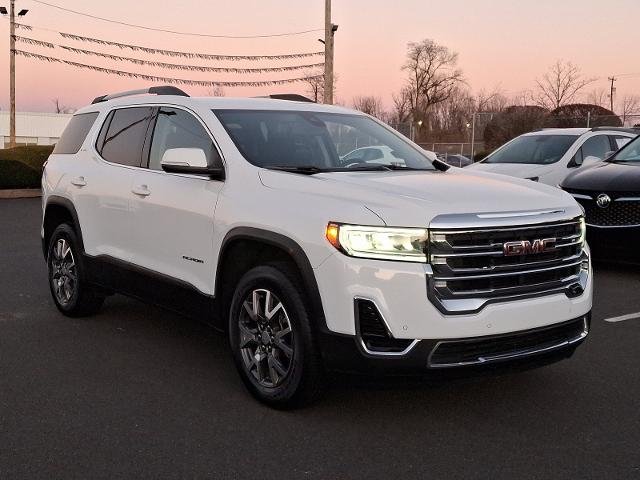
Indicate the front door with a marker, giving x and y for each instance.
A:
(173, 213)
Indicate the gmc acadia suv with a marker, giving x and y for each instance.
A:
(244, 213)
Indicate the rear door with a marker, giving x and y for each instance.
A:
(117, 156)
(173, 213)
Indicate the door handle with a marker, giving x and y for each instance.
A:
(141, 190)
(79, 182)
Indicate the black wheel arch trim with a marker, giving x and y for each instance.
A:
(297, 254)
(68, 205)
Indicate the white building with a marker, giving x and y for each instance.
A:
(33, 128)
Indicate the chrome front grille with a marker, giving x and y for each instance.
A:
(470, 267)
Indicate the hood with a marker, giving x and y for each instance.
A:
(605, 176)
(413, 198)
(519, 170)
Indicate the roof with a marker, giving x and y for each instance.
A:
(560, 131)
(240, 103)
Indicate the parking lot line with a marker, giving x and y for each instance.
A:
(622, 318)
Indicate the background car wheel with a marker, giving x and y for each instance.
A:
(71, 292)
(271, 338)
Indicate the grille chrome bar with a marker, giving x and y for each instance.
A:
(467, 267)
(510, 290)
(509, 229)
(505, 274)
(511, 267)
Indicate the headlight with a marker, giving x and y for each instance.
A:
(384, 243)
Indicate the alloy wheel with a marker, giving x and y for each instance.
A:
(266, 338)
(64, 277)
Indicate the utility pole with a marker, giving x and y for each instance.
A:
(329, 32)
(12, 74)
(613, 90)
(12, 67)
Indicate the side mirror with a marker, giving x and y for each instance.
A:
(189, 160)
(591, 160)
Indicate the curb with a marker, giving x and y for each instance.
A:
(21, 193)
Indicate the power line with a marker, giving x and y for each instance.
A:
(175, 32)
(172, 53)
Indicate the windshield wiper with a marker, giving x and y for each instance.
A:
(302, 169)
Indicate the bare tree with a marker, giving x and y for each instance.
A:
(560, 85)
(432, 74)
(58, 107)
(492, 101)
(369, 104)
(598, 96)
(315, 85)
(216, 91)
(629, 105)
(401, 106)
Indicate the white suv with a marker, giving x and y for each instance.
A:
(241, 213)
(549, 155)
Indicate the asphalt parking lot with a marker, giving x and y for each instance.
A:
(140, 392)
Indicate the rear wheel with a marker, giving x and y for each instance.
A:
(271, 339)
(71, 292)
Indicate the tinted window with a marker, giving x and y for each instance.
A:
(538, 149)
(313, 139)
(373, 154)
(619, 141)
(124, 134)
(596, 147)
(630, 152)
(73, 136)
(176, 128)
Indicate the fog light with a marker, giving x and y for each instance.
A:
(440, 284)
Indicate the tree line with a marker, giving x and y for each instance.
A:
(437, 99)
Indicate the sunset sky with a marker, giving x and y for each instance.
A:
(502, 44)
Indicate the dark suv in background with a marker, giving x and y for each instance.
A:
(609, 192)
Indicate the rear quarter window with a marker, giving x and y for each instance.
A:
(73, 136)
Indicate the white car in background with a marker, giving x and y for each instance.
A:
(549, 155)
(377, 154)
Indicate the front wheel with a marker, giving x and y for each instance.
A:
(271, 338)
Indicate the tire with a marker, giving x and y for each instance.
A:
(70, 289)
(260, 342)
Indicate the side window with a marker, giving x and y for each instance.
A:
(73, 136)
(122, 136)
(373, 154)
(356, 155)
(618, 141)
(596, 146)
(176, 128)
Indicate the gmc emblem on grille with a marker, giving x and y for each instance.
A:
(525, 247)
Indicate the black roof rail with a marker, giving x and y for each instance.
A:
(635, 130)
(292, 97)
(163, 90)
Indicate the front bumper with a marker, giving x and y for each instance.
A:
(400, 292)
(513, 351)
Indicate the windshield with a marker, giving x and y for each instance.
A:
(536, 149)
(318, 141)
(629, 153)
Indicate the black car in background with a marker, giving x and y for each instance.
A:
(609, 192)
